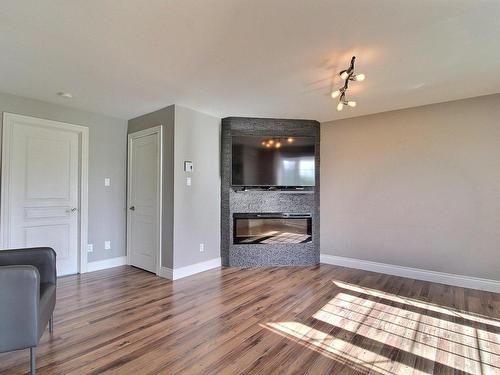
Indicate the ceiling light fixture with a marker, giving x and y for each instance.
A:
(347, 75)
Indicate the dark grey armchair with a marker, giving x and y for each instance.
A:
(27, 297)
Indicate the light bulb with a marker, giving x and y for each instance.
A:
(360, 77)
(263, 143)
(344, 74)
(351, 103)
(271, 141)
(290, 140)
(278, 144)
(268, 145)
(340, 106)
(335, 93)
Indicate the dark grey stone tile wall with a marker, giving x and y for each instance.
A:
(252, 201)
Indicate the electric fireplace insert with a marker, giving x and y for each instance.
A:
(272, 228)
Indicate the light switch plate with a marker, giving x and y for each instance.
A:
(107, 245)
(188, 181)
(90, 248)
(107, 181)
(202, 247)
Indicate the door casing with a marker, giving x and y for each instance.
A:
(141, 133)
(83, 132)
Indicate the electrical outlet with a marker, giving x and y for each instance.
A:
(107, 181)
(202, 247)
(90, 248)
(107, 245)
(188, 181)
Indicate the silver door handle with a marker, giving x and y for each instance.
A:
(72, 209)
(132, 208)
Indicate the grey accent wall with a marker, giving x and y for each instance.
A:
(166, 118)
(418, 187)
(196, 207)
(267, 201)
(191, 214)
(107, 158)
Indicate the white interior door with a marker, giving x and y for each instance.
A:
(43, 166)
(144, 181)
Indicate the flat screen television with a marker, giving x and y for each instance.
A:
(273, 161)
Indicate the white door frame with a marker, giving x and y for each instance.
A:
(139, 134)
(83, 133)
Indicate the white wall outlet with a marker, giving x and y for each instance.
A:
(107, 181)
(90, 248)
(107, 245)
(188, 181)
(202, 247)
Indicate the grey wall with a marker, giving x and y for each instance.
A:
(196, 207)
(190, 213)
(164, 117)
(107, 158)
(252, 201)
(418, 187)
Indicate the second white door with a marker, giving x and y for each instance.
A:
(144, 182)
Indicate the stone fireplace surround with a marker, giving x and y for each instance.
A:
(289, 202)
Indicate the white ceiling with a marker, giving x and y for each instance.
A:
(265, 58)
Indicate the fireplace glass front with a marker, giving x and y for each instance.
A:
(271, 228)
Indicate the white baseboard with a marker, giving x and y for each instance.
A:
(180, 272)
(414, 273)
(106, 263)
(166, 273)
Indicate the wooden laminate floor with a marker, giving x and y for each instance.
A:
(314, 320)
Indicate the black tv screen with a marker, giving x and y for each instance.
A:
(273, 161)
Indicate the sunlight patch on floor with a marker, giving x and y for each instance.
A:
(338, 349)
(365, 328)
(420, 304)
(454, 345)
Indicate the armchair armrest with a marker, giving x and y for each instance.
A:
(19, 307)
(43, 258)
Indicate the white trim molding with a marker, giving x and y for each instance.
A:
(414, 273)
(166, 273)
(106, 263)
(180, 272)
